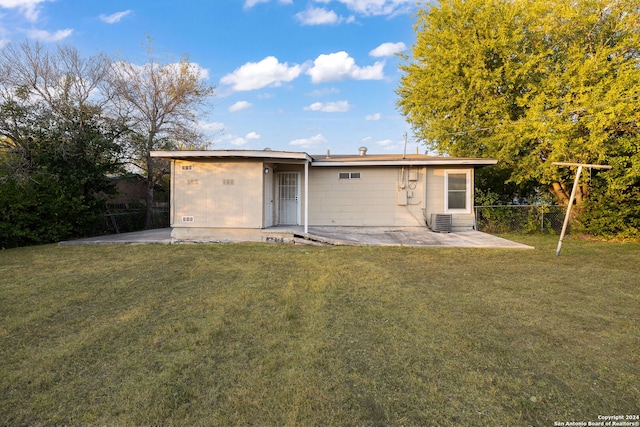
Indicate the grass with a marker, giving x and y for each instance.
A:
(275, 334)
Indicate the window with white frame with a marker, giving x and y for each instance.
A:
(457, 190)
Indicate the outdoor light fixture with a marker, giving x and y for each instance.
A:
(266, 170)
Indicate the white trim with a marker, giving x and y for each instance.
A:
(254, 154)
(433, 162)
(468, 191)
(297, 196)
(295, 156)
(306, 197)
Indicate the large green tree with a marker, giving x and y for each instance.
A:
(530, 82)
(56, 145)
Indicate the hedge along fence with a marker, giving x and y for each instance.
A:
(526, 219)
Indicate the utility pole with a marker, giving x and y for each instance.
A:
(576, 182)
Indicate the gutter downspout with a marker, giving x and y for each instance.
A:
(306, 197)
(424, 197)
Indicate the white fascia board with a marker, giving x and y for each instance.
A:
(438, 162)
(256, 154)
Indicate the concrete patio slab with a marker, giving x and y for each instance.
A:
(352, 236)
(159, 235)
(411, 236)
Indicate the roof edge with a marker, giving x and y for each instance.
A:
(350, 161)
(256, 154)
(425, 162)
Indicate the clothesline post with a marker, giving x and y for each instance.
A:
(576, 182)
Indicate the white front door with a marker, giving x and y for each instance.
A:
(288, 198)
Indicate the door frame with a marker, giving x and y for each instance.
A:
(278, 198)
(269, 199)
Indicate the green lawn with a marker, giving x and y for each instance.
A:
(279, 334)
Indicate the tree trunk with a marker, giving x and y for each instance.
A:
(148, 219)
(563, 193)
(560, 192)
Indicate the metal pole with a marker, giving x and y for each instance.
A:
(566, 217)
(306, 197)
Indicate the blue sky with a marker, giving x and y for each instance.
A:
(292, 75)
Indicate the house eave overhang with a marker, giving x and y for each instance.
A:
(406, 163)
(266, 155)
(269, 156)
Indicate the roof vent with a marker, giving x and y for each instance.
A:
(363, 151)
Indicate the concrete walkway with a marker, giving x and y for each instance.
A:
(352, 236)
(411, 236)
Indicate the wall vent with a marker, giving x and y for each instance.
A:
(188, 219)
(227, 181)
(441, 223)
(193, 182)
(186, 167)
(349, 175)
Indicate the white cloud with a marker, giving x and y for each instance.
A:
(387, 49)
(211, 127)
(387, 144)
(376, 116)
(47, 36)
(115, 17)
(256, 75)
(248, 4)
(377, 7)
(329, 107)
(317, 16)
(29, 8)
(236, 140)
(339, 66)
(239, 106)
(309, 142)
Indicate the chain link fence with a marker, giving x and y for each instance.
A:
(524, 219)
(123, 218)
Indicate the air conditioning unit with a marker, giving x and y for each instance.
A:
(441, 223)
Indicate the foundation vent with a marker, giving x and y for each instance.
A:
(188, 219)
(186, 167)
(441, 223)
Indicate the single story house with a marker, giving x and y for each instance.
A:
(258, 189)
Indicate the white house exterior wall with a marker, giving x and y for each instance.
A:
(216, 194)
(371, 200)
(435, 194)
